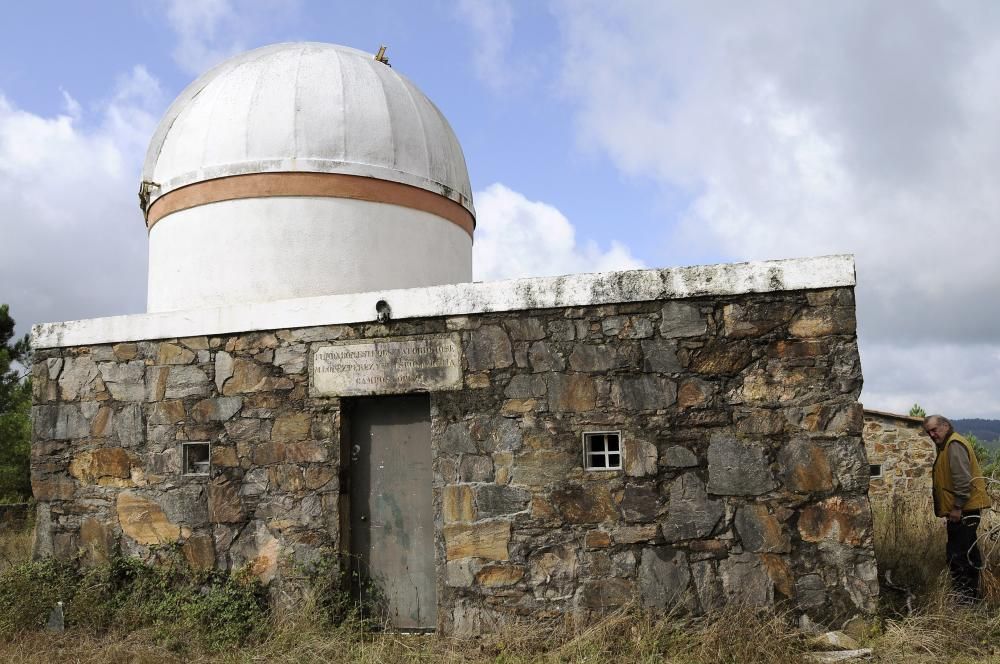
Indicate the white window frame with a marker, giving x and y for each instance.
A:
(587, 453)
(184, 458)
(881, 471)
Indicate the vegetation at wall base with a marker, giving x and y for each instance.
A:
(126, 611)
(177, 607)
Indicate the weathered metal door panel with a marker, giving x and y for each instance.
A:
(392, 514)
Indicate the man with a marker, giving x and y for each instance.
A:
(959, 496)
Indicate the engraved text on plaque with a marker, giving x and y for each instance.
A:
(382, 366)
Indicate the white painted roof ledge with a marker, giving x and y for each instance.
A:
(573, 290)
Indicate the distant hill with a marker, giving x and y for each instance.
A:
(985, 430)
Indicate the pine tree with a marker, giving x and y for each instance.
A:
(15, 411)
(917, 411)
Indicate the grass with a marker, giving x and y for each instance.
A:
(909, 546)
(129, 613)
(180, 608)
(628, 635)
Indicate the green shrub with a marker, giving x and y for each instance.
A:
(339, 594)
(184, 608)
(29, 591)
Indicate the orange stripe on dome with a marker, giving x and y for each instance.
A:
(327, 185)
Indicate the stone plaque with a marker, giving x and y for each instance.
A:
(386, 366)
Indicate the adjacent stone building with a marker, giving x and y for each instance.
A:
(900, 457)
(312, 382)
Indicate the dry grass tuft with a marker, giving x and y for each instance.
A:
(629, 635)
(932, 627)
(909, 544)
(81, 647)
(15, 547)
(743, 635)
(939, 632)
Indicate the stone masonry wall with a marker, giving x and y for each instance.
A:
(745, 474)
(906, 454)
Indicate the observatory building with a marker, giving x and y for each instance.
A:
(316, 377)
(301, 170)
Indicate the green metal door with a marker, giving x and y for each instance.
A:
(392, 514)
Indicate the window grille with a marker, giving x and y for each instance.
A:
(602, 450)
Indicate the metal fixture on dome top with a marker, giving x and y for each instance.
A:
(381, 56)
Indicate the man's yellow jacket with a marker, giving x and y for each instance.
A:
(944, 488)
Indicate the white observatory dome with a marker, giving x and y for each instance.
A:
(303, 169)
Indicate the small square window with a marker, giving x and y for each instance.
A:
(602, 450)
(875, 470)
(196, 458)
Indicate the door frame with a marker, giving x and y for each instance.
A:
(352, 567)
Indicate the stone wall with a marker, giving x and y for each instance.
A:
(745, 474)
(905, 454)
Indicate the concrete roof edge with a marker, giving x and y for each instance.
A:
(573, 290)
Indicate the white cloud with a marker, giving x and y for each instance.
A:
(516, 237)
(900, 386)
(197, 25)
(74, 238)
(818, 128)
(71, 105)
(209, 31)
(498, 62)
(492, 26)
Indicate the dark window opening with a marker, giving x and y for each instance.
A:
(602, 450)
(196, 459)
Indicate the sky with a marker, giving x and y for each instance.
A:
(598, 136)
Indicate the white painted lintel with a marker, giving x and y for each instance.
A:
(575, 290)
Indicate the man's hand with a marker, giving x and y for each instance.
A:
(955, 515)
